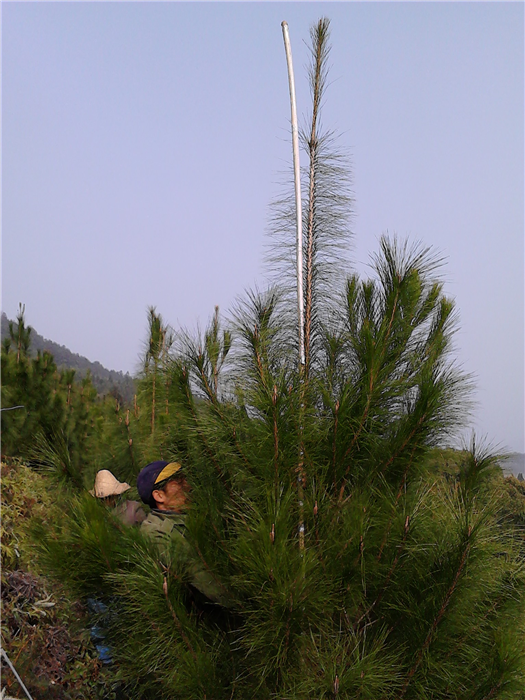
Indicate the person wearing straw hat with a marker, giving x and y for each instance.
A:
(108, 489)
(164, 488)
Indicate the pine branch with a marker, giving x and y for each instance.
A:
(334, 442)
(216, 406)
(389, 575)
(402, 486)
(218, 469)
(176, 619)
(275, 441)
(493, 691)
(209, 570)
(319, 38)
(406, 442)
(439, 616)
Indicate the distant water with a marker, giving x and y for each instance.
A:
(515, 464)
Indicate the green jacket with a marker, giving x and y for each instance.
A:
(166, 527)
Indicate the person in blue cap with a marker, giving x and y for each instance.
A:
(164, 488)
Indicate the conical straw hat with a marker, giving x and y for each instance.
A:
(107, 485)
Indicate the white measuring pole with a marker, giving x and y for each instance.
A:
(300, 291)
(298, 200)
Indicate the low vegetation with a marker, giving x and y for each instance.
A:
(44, 632)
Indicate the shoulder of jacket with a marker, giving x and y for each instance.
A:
(155, 523)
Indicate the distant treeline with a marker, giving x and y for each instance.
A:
(74, 417)
(105, 381)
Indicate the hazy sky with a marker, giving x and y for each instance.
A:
(142, 144)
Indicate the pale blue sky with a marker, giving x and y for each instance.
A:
(142, 144)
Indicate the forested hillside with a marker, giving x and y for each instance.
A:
(105, 381)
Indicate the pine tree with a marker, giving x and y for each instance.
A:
(28, 382)
(403, 582)
(158, 344)
(118, 438)
(54, 428)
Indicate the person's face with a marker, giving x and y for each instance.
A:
(110, 501)
(174, 496)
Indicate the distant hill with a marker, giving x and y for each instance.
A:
(106, 381)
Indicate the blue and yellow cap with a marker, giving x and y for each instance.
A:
(152, 476)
